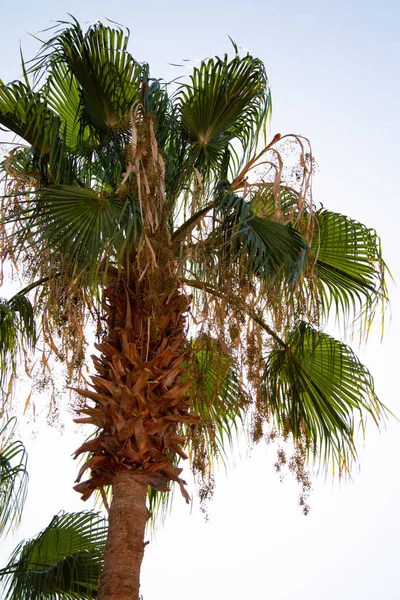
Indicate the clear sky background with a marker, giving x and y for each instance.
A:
(334, 72)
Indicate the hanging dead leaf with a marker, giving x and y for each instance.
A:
(27, 401)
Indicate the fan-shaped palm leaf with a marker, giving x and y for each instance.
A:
(63, 562)
(85, 227)
(268, 246)
(17, 327)
(349, 263)
(97, 60)
(226, 100)
(26, 113)
(64, 99)
(13, 478)
(29, 115)
(219, 396)
(315, 388)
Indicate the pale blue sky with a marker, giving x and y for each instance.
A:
(334, 72)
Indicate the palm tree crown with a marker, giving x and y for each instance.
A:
(203, 260)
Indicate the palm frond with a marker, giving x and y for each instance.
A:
(22, 308)
(226, 100)
(97, 59)
(87, 228)
(266, 246)
(26, 114)
(218, 395)
(64, 562)
(13, 478)
(316, 390)
(31, 116)
(17, 329)
(221, 400)
(349, 263)
(63, 97)
(266, 201)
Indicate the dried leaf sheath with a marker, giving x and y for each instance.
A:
(139, 400)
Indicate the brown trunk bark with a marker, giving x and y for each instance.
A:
(125, 541)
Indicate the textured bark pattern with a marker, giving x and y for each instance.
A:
(125, 547)
(138, 393)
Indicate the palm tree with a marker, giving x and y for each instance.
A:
(201, 258)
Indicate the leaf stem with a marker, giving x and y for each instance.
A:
(191, 222)
(208, 288)
(35, 284)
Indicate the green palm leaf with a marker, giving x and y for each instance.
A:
(348, 262)
(13, 478)
(17, 328)
(26, 113)
(315, 387)
(226, 100)
(271, 245)
(265, 201)
(268, 247)
(85, 227)
(218, 394)
(64, 99)
(98, 59)
(63, 562)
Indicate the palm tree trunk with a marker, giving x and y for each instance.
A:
(141, 408)
(125, 542)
